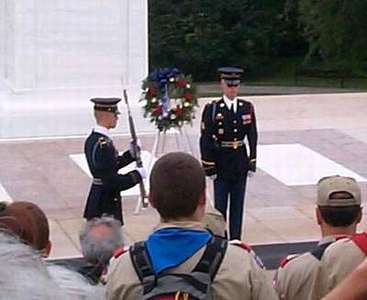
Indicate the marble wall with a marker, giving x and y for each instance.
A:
(63, 44)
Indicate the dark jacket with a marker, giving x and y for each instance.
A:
(104, 162)
(218, 125)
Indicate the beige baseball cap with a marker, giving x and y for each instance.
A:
(334, 184)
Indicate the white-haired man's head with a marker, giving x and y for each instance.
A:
(100, 238)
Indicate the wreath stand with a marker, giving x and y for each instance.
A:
(182, 141)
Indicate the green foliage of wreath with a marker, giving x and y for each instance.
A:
(173, 111)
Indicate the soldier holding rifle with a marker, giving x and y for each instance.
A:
(104, 162)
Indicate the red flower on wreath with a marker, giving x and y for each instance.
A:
(179, 111)
(181, 83)
(157, 111)
(169, 103)
(152, 91)
(188, 96)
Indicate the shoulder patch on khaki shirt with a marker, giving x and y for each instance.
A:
(287, 259)
(249, 250)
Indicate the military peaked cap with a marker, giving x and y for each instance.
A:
(106, 104)
(231, 75)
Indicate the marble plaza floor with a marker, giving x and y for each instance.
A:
(301, 138)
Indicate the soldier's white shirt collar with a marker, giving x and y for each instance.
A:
(102, 130)
(229, 102)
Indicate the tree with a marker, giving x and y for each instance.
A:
(336, 31)
(198, 36)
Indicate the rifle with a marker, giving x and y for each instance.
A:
(139, 162)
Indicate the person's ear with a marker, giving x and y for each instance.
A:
(359, 218)
(150, 199)
(202, 198)
(318, 216)
(47, 250)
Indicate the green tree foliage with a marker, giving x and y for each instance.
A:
(336, 31)
(198, 36)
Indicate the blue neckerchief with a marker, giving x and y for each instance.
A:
(169, 247)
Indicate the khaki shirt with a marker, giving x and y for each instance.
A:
(295, 278)
(339, 259)
(215, 222)
(238, 277)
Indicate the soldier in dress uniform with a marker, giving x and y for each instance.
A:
(104, 162)
(225, 125)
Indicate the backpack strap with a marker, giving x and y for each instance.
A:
(360, 239)
(208, 264)
(212, 257)
(319, 250)
(143, 266)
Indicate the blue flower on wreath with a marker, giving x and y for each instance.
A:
(162, 77)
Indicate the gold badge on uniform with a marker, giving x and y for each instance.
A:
(219, 116)
(102, 141)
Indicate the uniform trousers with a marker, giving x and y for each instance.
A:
(235, 192)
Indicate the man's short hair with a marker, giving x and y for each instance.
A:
(27, 221)
(340, 216)
(339, 200)
(177, 181)
(98, 249)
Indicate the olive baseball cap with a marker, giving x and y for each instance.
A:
(327, 186)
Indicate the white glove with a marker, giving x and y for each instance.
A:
(142, 172)
(213, 177)
(131, 147)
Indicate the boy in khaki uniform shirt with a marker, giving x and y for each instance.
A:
(340, 259)
(353, 287)
(177, 191)
(338, 212)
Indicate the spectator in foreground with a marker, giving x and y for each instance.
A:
(338, 211)
(74, 285)
(99, 238)
(177, 192)
(353, 287)
(214, 222)
(28, 222)
(23, 273)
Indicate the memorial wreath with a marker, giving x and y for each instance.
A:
(169, 98)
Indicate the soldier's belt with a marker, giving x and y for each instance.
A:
(97, 181)
(231, 144)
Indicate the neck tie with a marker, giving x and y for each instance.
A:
(232, 108)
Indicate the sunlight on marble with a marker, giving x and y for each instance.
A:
(295, 164)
